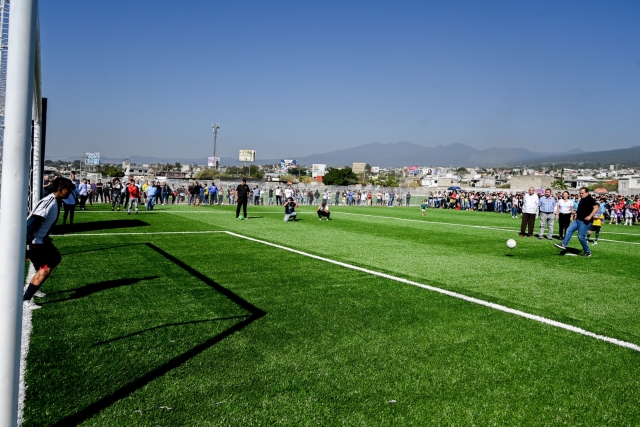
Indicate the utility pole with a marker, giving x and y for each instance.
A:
(215, 128)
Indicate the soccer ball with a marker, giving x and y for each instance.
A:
(511, 243)
(241, 217)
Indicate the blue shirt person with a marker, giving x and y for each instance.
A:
(152, 191)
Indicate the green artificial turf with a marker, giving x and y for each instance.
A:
(140, 327)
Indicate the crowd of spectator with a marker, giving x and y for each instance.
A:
(617, 209)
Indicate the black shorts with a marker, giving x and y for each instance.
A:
(44, 256)
(595, 228)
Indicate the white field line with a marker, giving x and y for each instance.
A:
(136, 234)
(401, 280)
(619, 241)
(487, 227)
(219, 212)
(452, 294)
(27, 326)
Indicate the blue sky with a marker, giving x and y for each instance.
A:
(292, 78)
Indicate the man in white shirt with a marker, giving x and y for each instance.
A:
(288, 192)
(40, 250)
(529, 211)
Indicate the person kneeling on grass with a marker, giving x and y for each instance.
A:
(40, 250)
(323, 211)
(290, 210)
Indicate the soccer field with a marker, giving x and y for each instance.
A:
(186, 316)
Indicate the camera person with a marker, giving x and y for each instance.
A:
(290, 210)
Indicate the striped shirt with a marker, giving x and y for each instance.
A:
(547, 204)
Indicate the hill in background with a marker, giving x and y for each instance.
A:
(456, 155)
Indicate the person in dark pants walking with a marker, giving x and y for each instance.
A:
(98, 194)
(69, 204)
(242, 196)
(529, 211)
(83, 192)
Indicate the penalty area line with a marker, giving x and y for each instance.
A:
(463, 297)
(485, 227)
(140, 234)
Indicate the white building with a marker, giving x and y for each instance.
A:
(585, 181)
(629, 185)
(135, 170)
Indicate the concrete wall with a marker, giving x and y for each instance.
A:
(522, 183)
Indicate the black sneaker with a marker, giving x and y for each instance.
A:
(539, 237)
(560, 246)
(586, 254)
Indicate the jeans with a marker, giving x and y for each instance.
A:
(151, 200)
(133, 202)
(582, 227)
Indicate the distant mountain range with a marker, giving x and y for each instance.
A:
(408, 154)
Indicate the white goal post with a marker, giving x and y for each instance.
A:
(22, 105)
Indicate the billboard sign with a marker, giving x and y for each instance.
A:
(92, 158)
(213, 162)
(375, 169)
(287, 164)
(359, 167)
(318, 170)
(247, 156)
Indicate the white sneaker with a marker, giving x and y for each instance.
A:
(595, 243)
(40, 294)
(30, 305)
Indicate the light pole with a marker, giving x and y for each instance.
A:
(215, 129)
